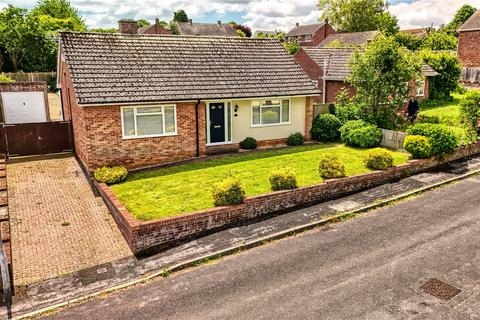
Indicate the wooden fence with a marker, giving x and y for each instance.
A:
(393, 139)
(319, 109)
(31, 76)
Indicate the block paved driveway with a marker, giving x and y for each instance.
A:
(58, 226)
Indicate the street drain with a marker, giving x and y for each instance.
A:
(440, 289)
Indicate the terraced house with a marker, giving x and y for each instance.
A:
(145, 100)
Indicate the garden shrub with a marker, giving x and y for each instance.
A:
(464, 136)
(346, 110)
(331, 167)
(350, 126)
(111, 175)
(418, 146)
(332, 109)
(228, 192)
(325, 128)
(296, 139)
(470, 109)
(424, 118)
(248, 143)
(365, 137)
(378, 159)
(442, 138)
(5, 78)
(282, 179)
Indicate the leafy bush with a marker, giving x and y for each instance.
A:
(424, 118)
(346, 110)
(470, 109)
(282, 179)
(111, 175)
(464, 136)
(332, 109)
(248, 143)
(350, 126)
(418, 146)
(4, 78)
(441, 137)
(325, 128)
(365, 137)
(378, 159)
(52, 84)
(228, 192)
(296, 139)
(331, 167)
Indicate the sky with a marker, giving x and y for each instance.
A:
(258, 14)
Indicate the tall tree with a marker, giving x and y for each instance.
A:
(358, 15)
(60, 10)
(460, 17)
(180, 16)
(142, 23)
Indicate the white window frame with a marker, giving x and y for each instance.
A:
(421, 86)
(281, 123)
(308, 37)
(227, 105)
(135, 108)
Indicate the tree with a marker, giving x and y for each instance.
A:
(460, 17)
(410, 41)
(439, 40)
(379, 75)
(470, 109)
(180, 16)
(104, 30)
(358, 15)
(60, 10)
(142, 23)
(292, 47)
(244, 28)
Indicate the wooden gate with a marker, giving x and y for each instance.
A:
(36, 138)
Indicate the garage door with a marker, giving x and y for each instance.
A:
(24, 107)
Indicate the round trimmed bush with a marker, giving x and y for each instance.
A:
(418, 146)
(296, 139)
(349, 126)
(441, 137)
(365, 137)
(111, 175)
(331, 167)
(228, 192)
(248, 143)
(326, 128)
(282, 179)
(378, 159)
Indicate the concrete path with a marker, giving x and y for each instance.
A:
(370, 267)
(58, 226)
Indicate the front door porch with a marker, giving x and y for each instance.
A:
(219, 123)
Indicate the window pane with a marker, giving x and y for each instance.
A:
(148, 125)
(285, 111)
(270, 115)
(149, 110)
(169, 119)
(128, 122)
(256, 115)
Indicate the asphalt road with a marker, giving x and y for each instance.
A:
(370, 267)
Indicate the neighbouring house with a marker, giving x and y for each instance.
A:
(218, 29)
(145, 100)
(418, 32)
(329, 68)
(266, 33)
(129, 26)
(309, 35)
(469, 49)
(350, 39)
(154, 28)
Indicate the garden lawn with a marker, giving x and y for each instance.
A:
(165, 192)
(449, 111)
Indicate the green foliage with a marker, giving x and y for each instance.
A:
(464, 136)
(52, 84)
(337, 43)
(173, 27)
(441, 137)
(180, 16)
(346, 109)
(358, 15)
(448, 66)
(292, 47)
(331, 167)
(326, 128)
(418, 146)
(228, 192)
(296, 139)
(460, 17)
(4, 78)
(104, 30)
(424, 118)
(378, 159)
(278, 35)
(248, 143)
(410, 41)
(379, 76)
(282, 179)
(142, 23)
(439, 40)
(60, 10)
(111, 175)
(240, 33)
(365, 137)
(349, 127)
(470, 109)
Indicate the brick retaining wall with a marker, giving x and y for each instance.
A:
(142, 236)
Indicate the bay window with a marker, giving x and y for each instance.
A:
(270, 112)
(149, 121)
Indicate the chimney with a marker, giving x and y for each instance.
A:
(190, 21)
(219, 23)
(128, 26)
(297, 24)
(326, 22)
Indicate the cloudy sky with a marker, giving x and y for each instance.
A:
(258, 14)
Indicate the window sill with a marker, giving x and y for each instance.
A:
(270, 125)
(150, 136)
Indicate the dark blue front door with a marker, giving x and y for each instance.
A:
(217, 122)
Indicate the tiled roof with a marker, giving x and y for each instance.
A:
(117, 68)
(417, 31)
(473, 23)
(207, 29)
(350, 39)
(304, 30)
(334, 62)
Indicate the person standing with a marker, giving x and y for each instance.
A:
(412, 109)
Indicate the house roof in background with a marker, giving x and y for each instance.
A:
(351, 38)
(207, 29)
(302, 30)
(416, 32)
(121, 68)
(473, 23)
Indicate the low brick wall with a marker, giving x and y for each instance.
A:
(142, 236)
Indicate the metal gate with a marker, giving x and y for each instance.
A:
(36, 138)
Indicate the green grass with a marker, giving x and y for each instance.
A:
(448, 111)
(165, 192)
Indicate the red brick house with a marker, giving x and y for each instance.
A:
(309, 35)
(469, 49)
(129, 26)
(328, 68)
(145, 100)
(154, 28)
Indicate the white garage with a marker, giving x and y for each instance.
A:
(24, 107)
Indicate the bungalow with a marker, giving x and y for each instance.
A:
(146, 100)
(309, 35)
(328, 68)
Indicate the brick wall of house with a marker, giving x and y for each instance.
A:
(313, 70)
(333, 88)
(20, 86)
(157, 29)
(309, 117)
(468, 48)
(321, 34)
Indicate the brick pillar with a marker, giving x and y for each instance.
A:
(308, 117)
